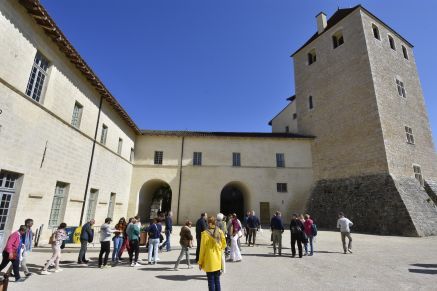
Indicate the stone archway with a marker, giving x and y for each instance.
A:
(234, 199)
(154, 198)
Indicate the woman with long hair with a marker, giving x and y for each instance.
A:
(56, 240)
(118, 239)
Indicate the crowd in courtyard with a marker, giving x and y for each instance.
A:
(218, 240)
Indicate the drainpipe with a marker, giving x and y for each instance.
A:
(180, 177)
(91, 162)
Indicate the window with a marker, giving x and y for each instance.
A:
(158, 157)
(294, 115)
(281, 187)
(132, 154)
(77, 115)
(92, 203)
(104, 134)
(375, 32)
(418, 174)
(197, 159)
(392, 42)
(120, 146)
(312, 56)
(280, 160)
(111, 205)
(236, 159)
(405, 52)
(8, 184)
(401, 88)
(38, 75)
(287, 129)
(310, 103)
(337, 39)
(409, 133)
(58, 204)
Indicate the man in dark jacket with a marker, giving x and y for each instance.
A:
(296, 231)
(201, 225)
(277, 229)
(86, 236)
(168, 230)
(253, 226)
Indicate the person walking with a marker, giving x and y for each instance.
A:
(106, 232)
(186, 242)
(154, 231)
(344, 225)
(11, 252)
(201, 225)
(118, 239)
(236, 234)
(277, 228)
(57, 238)
(27, 240)
(253, 225)
(296, 232)
(246, 227)
(133, 234)
(308, 229)
(168, 230)
(210, 256)
(221, 224)
(86, 236)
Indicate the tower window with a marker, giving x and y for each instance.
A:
(392, 42)
(418, 174)
(409, 133)
(375, 32)
(405, 52)
(294, 115)
(401, 88)
(312, 56)
(337, 39)
(310, 103)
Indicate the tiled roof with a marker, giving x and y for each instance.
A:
(224, 134)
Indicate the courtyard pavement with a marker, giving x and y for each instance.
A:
(378, 263)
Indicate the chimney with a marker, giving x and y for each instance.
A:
(321, 22)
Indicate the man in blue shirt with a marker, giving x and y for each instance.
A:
(253, 226)
(277, 229)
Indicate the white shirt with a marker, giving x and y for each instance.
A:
(343, 224)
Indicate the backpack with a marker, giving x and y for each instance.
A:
(314, 229)
(52, 238)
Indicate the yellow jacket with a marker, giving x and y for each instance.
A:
(210, 256)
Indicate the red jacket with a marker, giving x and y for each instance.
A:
(308, 227)
(14, 241)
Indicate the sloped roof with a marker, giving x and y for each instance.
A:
(224, 134)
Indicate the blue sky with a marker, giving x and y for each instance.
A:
(218, 65)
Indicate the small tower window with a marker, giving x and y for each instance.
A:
(409, 133)
(401, 88)
(310, 103)
(418, 174)
(337, 39)
(287, 129)
(375, 31)
(405, 52)
(392, 42)
(312, 56)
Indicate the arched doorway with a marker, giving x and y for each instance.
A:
(232, 199)
(155, 198)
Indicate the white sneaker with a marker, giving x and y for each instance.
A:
(136, 265)
(132, 265)
(45, 273)
(59, 270)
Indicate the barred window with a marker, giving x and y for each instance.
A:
(236, 159)
(77, 115)
(56, 213)
(158, 157)
(197, 158)
(401, 88)
(38, 75)
(104, 134)
(418, 174)
(281, 187)
(92, 203)
(280, 160)
(409, 133)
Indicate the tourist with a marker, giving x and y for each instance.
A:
(221, 224)
(133, 234)
(125, 244)
(118, 239)
(86, 236)
(236, 234)
(168, 230)
(201, 225)
(277, 229)
(56, 241)
(228, 236)
(344, 225)
(253, 225)
(210, 257)
(246, 227)
(154, 231)
(11, 252)
(308, 229)
(304, 238)
(296, 232)
(186, 242)
(27, 239)
(106, 232)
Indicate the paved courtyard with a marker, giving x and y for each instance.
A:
(378, 263)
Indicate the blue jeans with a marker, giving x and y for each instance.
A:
(153, 247)
(310, 241)
(167, 240)
(118, 242)
(213, 281)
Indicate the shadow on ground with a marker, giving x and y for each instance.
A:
(181, 277)
(429, 269)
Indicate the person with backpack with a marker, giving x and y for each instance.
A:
(86, 237)
(133, 234)
(309, 231)
(56, 241)
(154, 231)
(296, 232)
(344, 225)
(11, 252)
(186, 242)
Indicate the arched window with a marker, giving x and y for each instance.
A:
(375, 31)
(337, 39)
(405, 52)
(392, 42)
(310, 103)
(312, 56)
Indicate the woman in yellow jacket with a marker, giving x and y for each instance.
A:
(212, 244)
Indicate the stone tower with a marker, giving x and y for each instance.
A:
(358, 92)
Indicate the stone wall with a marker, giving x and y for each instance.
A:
(431, 190)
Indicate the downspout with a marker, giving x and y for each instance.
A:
(180, 177)
(91, 162)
